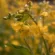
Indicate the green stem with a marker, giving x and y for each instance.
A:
(46, 47)
(31, 51)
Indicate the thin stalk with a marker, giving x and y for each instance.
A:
(46, 46)
(31, 51)
(41, 33)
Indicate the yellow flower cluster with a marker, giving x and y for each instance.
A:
(15, 42)
(44, 14)
(16, 26)
(33, 29)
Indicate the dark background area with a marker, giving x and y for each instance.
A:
(51, 1)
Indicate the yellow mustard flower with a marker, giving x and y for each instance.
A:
(45, 29)
(44, 14)
(53, 24)
(15, 42)
(25, 27)
(16, 26)
(21, 10)
(24, 31)
(53, 49)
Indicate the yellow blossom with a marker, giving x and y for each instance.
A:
(16, 26)
(45, 29)
(53, 24)
(24, 31)
(21, 10)
(15, 42)
(25, 27)
(53, 49)
(44, 14)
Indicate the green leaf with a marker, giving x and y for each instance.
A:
(39, 48)
(21, 16)
(29, 4)
(18, 17)
(38, 10)
(45, 45)
(51, 29)
(5, 30)
(51, 46)
(25, 17)
(8, 16)
(1, 44)
(21, 50)
(48, 20)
